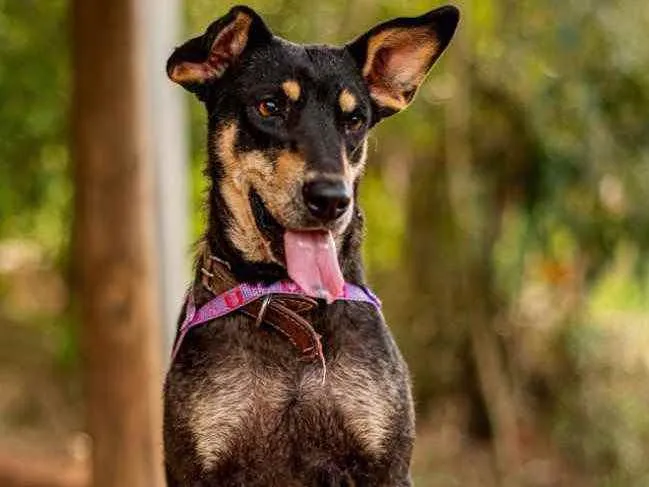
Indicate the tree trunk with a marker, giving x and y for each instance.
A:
(38, 471)
(113, 246)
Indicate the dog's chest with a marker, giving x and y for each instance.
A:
(251, 402)
(243, 408)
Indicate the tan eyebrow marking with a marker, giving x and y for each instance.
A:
(292, 89)
(347, 100)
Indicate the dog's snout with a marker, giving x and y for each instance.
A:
(325, 199)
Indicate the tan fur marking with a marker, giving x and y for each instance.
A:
(350, 173)
(277, 183)
(187, 73)
(411, 54)
(347, 101)
(218, 411)
(240, 27)
(354, 171)
(367, 405)
(388, 99)
(419, 39)
(231, 40)
(279, 189)
(227, 402)
(292, 89)
(235, 188)
(360, 166)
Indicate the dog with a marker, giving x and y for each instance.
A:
(300, 384)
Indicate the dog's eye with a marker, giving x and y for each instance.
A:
(269, 107)
(354, 123)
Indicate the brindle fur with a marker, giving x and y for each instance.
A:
(240, 408)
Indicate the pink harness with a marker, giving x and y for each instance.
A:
(241, 295)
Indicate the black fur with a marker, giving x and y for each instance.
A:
(240, 409)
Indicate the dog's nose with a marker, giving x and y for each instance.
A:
(326, 200)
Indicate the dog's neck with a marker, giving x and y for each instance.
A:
(220, 245)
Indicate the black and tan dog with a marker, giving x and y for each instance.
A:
(287, 145)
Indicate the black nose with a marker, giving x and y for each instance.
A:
(326, 200)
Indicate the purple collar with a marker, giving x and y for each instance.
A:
(243, 294)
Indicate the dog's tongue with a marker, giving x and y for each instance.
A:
(312, 263)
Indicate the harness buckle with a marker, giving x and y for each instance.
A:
(262, 310)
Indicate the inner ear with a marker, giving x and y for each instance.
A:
(397, 63)
(395, 57)
(207, 57)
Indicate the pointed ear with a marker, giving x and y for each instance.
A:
(395, 56)
(205, 58)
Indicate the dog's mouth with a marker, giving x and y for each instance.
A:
(310, 256)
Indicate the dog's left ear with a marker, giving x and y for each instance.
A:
(206, 58)
(395, 56)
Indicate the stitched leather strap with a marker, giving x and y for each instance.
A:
(284, 313)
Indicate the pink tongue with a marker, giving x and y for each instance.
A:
(312, 263)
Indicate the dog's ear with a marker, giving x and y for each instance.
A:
(205, 58)
(395, 56)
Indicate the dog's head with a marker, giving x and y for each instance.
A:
(288, 123)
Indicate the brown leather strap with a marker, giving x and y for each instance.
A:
(284, 313)
(289, 323)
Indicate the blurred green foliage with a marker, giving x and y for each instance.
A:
(35, 191)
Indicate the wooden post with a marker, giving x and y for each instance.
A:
(167, 112)
(113, 245)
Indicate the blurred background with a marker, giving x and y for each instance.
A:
(507, 234)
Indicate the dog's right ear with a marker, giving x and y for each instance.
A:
(205, 58)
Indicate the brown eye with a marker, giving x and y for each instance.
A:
(354, 123)
(268, 108)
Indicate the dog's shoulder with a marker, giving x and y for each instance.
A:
(368, 378)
